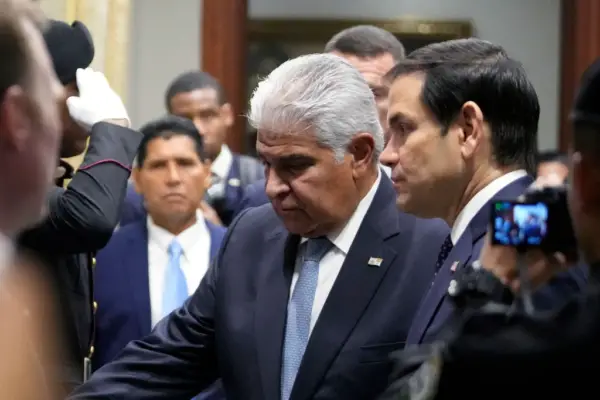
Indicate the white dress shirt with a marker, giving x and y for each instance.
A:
(195, 260)
(480, 200)
(387, 170)
(331, 264)
(222, 164)
(220, 169)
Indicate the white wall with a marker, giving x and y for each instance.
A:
(529, 29)
(165, 41)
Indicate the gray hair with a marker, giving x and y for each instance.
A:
(321, 92)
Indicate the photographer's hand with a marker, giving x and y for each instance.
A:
(502, 261)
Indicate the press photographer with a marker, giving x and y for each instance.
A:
(535, 226)
(508, 350)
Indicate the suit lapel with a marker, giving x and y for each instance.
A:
(480, 222)
(273, 289)
(461, 253)
(216, 237)
(354, 288)
(459, 256)
(136, 266)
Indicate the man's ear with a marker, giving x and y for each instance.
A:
(361, 149)
(470, 120)
(135, 178)
(227, 114)
(14, 119)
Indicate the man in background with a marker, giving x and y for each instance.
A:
(373, 52)
(552, 164)
(151, 266)
(29, 147)
(199, 97)
(81, 218)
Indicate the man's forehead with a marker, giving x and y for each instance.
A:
(271, 144)
(173, 143)
(207, 97)
(405, 96)
(371, 68)
(283, 140)
(407, 86)
(380, 60)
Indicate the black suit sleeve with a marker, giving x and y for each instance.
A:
(176, 361)
(82, 218)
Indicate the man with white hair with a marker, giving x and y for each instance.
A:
(373, 51)
(332, 261)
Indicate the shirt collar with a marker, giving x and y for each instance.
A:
(480, 200)
(187, 239)
(222, 164)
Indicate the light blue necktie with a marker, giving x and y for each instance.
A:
(175, 289)
(297, 329)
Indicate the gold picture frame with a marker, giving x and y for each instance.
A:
(324, 29)
(274, 41)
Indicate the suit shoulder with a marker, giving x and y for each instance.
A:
(434, 226)
(256, 218)
(253, 224)
(255, 187)
(134, 230)
(247, 159)
(425, 226)
(216, 232)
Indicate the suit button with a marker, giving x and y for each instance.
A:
(91, 351)
(95, 307)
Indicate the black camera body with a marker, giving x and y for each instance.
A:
(541, 219)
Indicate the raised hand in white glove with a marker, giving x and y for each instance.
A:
(97, 101)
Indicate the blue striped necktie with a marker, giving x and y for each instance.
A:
(175, 289)
(297, 329)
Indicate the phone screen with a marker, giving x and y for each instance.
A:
(519, 224)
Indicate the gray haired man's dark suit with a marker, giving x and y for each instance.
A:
(233, 326)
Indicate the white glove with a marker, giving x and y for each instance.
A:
(96, 102)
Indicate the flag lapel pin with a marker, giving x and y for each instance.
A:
(375, 262)
(454, 266)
